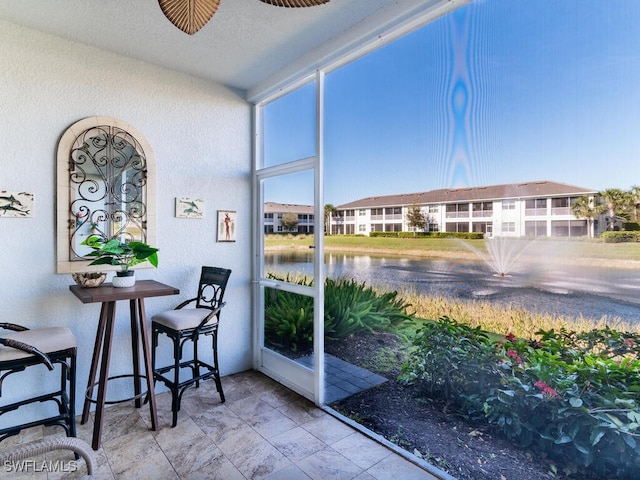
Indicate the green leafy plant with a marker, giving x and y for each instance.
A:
(350, 307)
(119, 253)
(574, 396)
(452, 361)
(288, 321)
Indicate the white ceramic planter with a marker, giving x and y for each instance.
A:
(125, 281)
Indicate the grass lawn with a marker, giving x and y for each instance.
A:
(590, 251)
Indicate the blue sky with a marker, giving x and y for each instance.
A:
(499, 91)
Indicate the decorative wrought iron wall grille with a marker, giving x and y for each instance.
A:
(107, 188)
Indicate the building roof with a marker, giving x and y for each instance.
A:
(537, 189)
(273, 207)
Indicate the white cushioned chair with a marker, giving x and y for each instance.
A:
(184, 325)
(49, 346)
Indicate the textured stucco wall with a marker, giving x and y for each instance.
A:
(200, 135)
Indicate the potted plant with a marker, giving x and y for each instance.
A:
(122, 254)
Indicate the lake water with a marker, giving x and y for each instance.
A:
(592, 292)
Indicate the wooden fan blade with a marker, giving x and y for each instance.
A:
(295, 3)
(189, 15)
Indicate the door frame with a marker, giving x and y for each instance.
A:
(307, 382)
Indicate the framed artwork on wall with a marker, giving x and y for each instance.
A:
(16, 204)
(227, 225)
(189, 207)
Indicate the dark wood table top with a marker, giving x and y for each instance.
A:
(108, 293)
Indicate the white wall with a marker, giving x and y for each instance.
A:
(200, 135)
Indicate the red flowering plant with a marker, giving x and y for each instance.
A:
(574, 396)
(545, 389)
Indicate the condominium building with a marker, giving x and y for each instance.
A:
(532, 209)
(275, 212)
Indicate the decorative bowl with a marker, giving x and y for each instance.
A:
(89, 279)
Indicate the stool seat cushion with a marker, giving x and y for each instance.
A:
(184, 318)
(47, 340)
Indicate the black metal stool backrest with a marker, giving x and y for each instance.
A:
(213, 283)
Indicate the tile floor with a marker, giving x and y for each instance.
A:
(343, 379)
(263, 431)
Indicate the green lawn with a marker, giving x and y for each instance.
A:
(581, 250)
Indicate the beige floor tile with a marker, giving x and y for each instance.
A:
(301, 411)
(199, 402)
(190, 451)
(121, 421)
(219, 468)
(328, 429)
(256, 382)
(137, 455)
(249, 407)
(216, 421)
(240, 437)
(235, 391)
(151, 467)
(180, 437)
(366, 476)
(292, 472)
(262, 431)
(279, 396)
(25, 436)
(271, 423)
(361, 450)
(394, 467)
(328, 463)
(297, 444)
(202, 460)
(259, 460)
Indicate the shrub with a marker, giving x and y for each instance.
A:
(452, 361)
(620, 237)
(631, 226)
(288, 323)
(350, 307)
(572, 395)
(462, 235)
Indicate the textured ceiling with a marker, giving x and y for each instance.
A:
(245, 43)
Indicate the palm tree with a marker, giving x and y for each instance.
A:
(616, 201)
(635, 198)
(329, 210)
(586, 207)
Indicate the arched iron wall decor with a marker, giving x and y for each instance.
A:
(106, 187)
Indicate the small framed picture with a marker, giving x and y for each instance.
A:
(227, 225)
(16, 204)
(189, 207)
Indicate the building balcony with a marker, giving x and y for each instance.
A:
(483, 214)
(535, 212)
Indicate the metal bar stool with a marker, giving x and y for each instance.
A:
(42, 346)
(184, 325)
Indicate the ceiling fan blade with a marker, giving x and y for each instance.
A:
(189, 15)
(295, 3)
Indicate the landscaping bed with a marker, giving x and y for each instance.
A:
(431, 430)
(478, 403)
